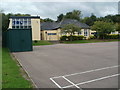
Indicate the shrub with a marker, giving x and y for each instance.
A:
(35, 41)
(63, 38)
(110, 36)
(114, 36)
(81, 37)
(92, 37)
(74, 38)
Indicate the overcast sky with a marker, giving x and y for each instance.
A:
(53, 9)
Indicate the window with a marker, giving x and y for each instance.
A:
(21, 23)
(25, 23)
(17, 27)
(13, 22)
(80, 33)
(25, 27)
(21, 27)
(51, 33)
(29, 26)
(85, 32)
(113, 32)
(92, 33)
(13, 27)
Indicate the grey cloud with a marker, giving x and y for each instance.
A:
(53, 9)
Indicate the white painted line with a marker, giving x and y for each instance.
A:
(90, 81)
(88, 71)
(71, 83)
(55, 83)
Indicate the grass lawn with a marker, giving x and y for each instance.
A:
(41, 43)
(12, 74)
(88, 41)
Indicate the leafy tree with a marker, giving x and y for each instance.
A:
(90, 20)
(113, 18)
(41, 20)
(75, 14)
(118, 27)
(60, 17)
(103, 28)
(48, 20)
(5, 22)
(70, 29)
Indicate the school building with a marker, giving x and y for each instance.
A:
(50, 31)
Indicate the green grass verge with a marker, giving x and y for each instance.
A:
(0, 68)
(41, 43)
(12, 75)
(88, 41)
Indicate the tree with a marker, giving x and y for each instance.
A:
(75, 14)
(118, 27)
(90, 20)
(41, 20)
(103, 28)
(60, 17)
(113, 18)
(48, 20)
(70, 29)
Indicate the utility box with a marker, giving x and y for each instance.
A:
(19, 40)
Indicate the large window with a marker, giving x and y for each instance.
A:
(80, 33)
(51, 33)
(85, 32)
(19, 23)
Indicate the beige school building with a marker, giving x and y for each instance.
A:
(50, 31)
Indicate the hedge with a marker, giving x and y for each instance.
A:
(92, 37)
(64, 38)
(110, 36)
(68, 38)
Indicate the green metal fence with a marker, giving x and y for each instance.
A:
(18, 40)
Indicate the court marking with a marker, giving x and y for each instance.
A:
(93, 70)
(72, 83)
(90, 81)
(55, 83)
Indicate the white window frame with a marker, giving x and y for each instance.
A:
(85, 32)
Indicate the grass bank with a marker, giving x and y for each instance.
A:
(12, 75)
(88, 41)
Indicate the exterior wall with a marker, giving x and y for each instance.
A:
(35, 23)
(91, 32)
(45, 35)
(116, 32)
(82, 33)
(10, 23)
(88, 33)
